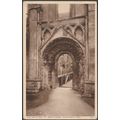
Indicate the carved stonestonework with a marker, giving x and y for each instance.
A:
(50, 37)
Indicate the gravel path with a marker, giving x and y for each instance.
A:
(64, 102)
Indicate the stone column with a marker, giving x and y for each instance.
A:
(33, 84)
(50, 76)
(33, 45)
(54, 77)
(45, 76)
(89, 84)
(86, 57)
(76, 79)
(38, 47)
(84, 74)
(86, 53)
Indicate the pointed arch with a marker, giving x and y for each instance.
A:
(78, 32)
(46, 34)
(69, 29)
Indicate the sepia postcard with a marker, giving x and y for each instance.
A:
(60, 60)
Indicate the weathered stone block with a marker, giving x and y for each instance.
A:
(33, 86)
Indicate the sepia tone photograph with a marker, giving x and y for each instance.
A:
(60, 60)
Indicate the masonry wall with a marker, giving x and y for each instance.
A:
(32, 70)
(33, 45)
(90, 84)
(91, 37)
(49, 13)
(35, 71)
(77, 10)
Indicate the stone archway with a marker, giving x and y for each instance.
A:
(50, 55)
(75, 67)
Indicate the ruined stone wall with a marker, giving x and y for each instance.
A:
(90, 84)
(77, 10)
(33, 45)
(34, 41)
(91, 37)
(50, 13)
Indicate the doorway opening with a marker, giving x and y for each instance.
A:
(55, 56)
(65, 71)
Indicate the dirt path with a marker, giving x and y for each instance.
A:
(65, 102)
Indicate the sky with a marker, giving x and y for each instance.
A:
(63, 8)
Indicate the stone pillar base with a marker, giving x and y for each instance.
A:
(33, 86)
(34, 100)
(89, 89)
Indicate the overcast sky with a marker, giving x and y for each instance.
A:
(63, 8)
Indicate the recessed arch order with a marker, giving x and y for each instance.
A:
(56, 48)
(60, 46)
